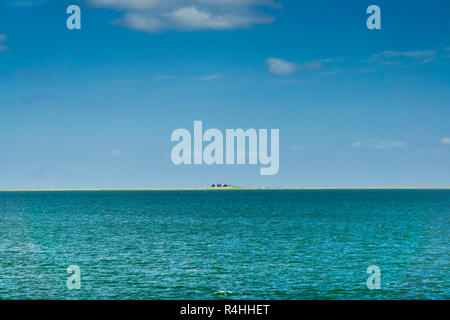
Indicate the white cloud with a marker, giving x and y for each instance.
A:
(379, 144)
(279, 66)
(445, 140)
(141, 22)
(282, 67)
(191, 18)
(188, 15)
(126, 4)
(159, 4)
(3, 39)
(116, 153)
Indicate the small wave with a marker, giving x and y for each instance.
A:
(223, 293)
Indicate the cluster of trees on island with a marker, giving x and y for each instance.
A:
(221, 185)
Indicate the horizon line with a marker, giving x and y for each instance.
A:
(221, 188)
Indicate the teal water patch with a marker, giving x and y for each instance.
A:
(234, 244)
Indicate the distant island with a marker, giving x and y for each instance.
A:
(222, 185)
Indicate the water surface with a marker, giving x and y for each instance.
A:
(233, 244)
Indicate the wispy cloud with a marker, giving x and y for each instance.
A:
(161, 78)
(40, 98)
(24, 3)
(22, 74)
(379, 144)
(123, 82)
(209, 77)
(182, 15)
(390, 56)
(313, 65)
(445, 140)
(283, 67)
(117, 153)
(3, 39)
(119, 82)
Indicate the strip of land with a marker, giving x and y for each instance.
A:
(227, 188)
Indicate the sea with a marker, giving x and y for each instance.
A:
(225, 244)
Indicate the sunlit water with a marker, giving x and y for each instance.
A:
(264, 244)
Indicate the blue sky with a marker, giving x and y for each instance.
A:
(96, 107)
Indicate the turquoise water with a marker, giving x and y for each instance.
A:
(264, 244)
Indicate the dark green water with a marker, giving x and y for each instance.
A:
(268, 244)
